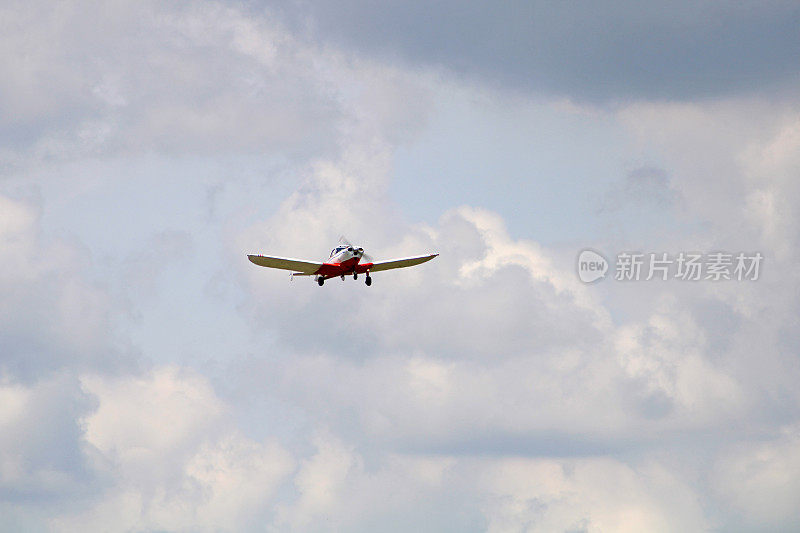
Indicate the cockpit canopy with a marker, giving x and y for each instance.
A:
(340, 249)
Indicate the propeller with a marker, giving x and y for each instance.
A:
(366, 257)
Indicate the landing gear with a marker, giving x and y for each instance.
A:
(320, 281)
(355, 275)
(368, 281)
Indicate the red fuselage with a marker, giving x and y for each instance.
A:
(349, 266)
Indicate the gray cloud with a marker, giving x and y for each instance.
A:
(487, 389)
(598, 52)
(643, 187)
(676, 379)
(41, 442)
(88, 80)
(52, 316)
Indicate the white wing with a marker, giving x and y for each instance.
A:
(296, 265)
(400, 263)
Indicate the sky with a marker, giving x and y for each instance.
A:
(152, 379)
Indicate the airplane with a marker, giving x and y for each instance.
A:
(344, 261)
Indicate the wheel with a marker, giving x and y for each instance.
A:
(355, 275)
(342, 277)
(320, 281)
(368, 281)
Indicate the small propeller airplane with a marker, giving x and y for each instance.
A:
(345, 260)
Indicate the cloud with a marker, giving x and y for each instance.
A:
(41, 455)
(52, 315)
(319, 481)
(769, 168)
(171, 458)
(466, 356)
(667, 356)
(758, 480)
(645, 187)
(86, 439)
(711, 152)
(480, 269)
(731, 163)
(494, 327)
(545, 495)
(108, 79)
(401, 492)
(610, 53)
(487, 389)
